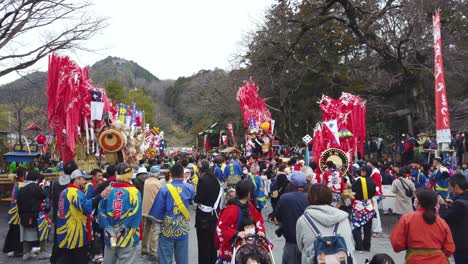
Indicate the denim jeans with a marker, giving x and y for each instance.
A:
(169, 248)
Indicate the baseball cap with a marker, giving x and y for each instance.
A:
(298, 179)
(123, 168)
(79, 173)
(141, 170)
(155, 170)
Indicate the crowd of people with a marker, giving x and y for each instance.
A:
(103, 216)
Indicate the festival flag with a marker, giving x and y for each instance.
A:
(332, 125)
(123, 110)
(441, 100)
(225, 141)
(231, 132)
(206, 143)
(220, 139)
(329, 137)
(133, 114)
(139, 117)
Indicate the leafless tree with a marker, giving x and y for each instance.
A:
(31, 29)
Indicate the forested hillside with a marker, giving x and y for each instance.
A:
(380, 50)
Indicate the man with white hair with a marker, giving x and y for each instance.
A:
(151, 230)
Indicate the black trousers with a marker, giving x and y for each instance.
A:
(274, 201)
(12, 240)
(363, 244)
(205, 237)
(55, 255)
(461, 257)
(74, 256)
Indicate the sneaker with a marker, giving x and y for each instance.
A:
(35, 250)
(144, 253)
(27, 256)
(43, 255)
(11, 254)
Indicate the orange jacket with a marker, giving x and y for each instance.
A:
(412, 232)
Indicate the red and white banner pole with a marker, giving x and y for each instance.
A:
(441, 100)
(231, 132)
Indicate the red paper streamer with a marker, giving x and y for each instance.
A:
(350, 113)
(69, 98)
(252, 106)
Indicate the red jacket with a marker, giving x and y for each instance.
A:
(336, 185)
(226, 228)
(377, 178)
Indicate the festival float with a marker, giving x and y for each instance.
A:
(257, 118)
(88, 126)
(341, 135)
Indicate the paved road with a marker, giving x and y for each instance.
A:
(379, 245)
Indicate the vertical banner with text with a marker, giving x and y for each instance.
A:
(231, 133)
(441, 100)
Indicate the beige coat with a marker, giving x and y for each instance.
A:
(403, 203)
(150, 191)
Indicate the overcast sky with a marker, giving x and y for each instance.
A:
(170, 38)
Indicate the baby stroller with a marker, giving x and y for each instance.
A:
(253, 247)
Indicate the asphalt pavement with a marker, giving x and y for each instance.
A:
(379, 245)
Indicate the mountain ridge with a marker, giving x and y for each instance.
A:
(129, 73)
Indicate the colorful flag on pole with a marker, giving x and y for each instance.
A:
(133, 114)
(333, 126)
(231, 132)
(220, 140)
(123, 110)
(206, 142)
(441, 100)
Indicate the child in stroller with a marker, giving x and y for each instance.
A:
(251, 248)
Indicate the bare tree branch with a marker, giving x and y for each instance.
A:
(20, 20)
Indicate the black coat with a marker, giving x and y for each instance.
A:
(30, 198)
(456, 217)
(207, 193)
(357, 188)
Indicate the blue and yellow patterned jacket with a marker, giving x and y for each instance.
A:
(44, 225)
(73, 227)
(258, 191)
(440, 181)
(89, 190)
(173, 223)
(13, 216)
(122, 209)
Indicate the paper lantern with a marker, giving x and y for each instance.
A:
(41, 139)
(265, 126)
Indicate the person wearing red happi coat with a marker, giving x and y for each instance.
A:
(227, 228)
(424, 235)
